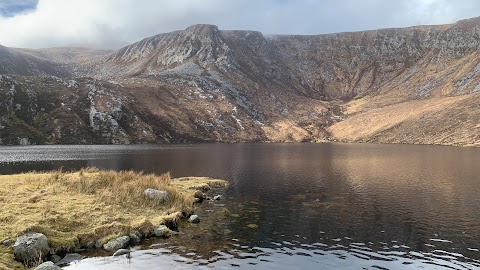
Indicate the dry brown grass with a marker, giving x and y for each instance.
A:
(72, 209)
(446, 121)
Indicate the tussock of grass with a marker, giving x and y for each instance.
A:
(73, 209)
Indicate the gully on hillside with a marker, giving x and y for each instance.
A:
(411, 85)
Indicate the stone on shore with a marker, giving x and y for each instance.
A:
(162, 231)
(7, 243)
(48, 266)
(194, 219)
(31, 247)
(135, 237)
(117, 243)
(155, 194)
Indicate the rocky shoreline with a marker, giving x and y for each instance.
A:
(35, 248)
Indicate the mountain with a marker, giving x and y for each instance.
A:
(411, 85)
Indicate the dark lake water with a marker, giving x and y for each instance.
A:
(300, 206)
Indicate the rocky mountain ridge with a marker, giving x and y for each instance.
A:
(409, 85)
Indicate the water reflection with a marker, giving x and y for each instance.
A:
(303, 206)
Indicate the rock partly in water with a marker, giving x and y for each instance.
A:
(155, 194)
(199, 195)
(117, 243)
(48, 266)
(71, 257)
(217, 197)
(30, 248)
(194, 219)
(163, 231)
(135, 237)
(55, 258)
(121, 252)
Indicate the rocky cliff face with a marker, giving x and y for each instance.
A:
(412, 85)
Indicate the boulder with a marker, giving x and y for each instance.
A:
(31, 247)
(194, 219)
(121, 252)
(217, 197)
(162, 231)
(48, 266)
(117, 243)
(135, 237)
(155, 194)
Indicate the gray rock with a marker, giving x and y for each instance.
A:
(121, 252)
(7, 243)
(155, 194)
(162, 231)
(194, 219)
(90, 245)
(217, 198)
(30, 248)
(135, 237)
(48, 266)
(55, 258)
(118, 243)
(71, 257)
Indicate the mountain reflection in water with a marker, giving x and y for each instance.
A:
(301, 206)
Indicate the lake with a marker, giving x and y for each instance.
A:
(300, 206)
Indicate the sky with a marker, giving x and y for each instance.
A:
(111, 24)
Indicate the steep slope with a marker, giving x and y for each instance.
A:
(410, 85)
(14, 61)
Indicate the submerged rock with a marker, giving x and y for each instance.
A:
(48, 266)
(31, 247)
(55, 258)
(121, 252)
(194, 219)
(156, 194)
(71, 257)
(117, 243)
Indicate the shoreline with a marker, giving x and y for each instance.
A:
(333, 141)
(90, 208)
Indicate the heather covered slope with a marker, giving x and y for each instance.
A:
(410, 85)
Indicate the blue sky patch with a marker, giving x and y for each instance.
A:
(10, 8)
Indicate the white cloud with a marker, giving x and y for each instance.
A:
(113, 23)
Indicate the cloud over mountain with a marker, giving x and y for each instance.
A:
(114, 23)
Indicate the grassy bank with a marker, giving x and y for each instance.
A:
(72, 209)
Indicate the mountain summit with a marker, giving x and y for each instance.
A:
(408, 85)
